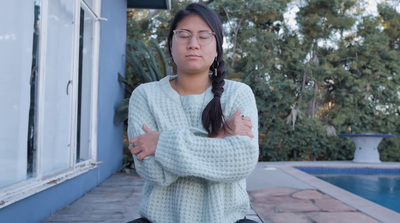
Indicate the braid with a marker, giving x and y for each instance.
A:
(213, 118)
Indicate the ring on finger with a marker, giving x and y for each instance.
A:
(242, 117)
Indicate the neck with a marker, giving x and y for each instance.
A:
(187, 85)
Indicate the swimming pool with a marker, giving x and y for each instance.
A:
(381, 186)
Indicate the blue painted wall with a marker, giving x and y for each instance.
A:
(111, 62)
(109, 142)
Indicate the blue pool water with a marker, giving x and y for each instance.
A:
(381, 186)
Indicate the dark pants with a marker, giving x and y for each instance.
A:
(245, 220)
(140, 220)
(144, 220)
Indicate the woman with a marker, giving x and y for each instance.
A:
(193, 162)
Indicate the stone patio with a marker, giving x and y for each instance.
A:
(283, 205)
(278, 193)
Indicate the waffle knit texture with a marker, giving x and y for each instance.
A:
(193, 178)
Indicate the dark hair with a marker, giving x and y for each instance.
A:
(212, 117)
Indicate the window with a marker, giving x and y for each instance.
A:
(49, 59)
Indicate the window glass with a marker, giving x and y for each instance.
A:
(47, 95)
(85, 87)
(33, 107)
(58, 87)
(16, 40)
(90, 3)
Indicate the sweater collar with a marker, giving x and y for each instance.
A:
(194, 99)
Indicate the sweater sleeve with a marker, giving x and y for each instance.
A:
(139, 114)
(233, 158)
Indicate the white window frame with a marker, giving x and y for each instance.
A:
(38, 183)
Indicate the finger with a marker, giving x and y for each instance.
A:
(248, 133)
(133, 143)
(136, 150)
(134, 140)
(139, 157)
(146, 129)
(251, 135)
(237, 113)
(246, 118)
(248, 123)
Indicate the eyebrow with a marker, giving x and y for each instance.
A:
(198, 31)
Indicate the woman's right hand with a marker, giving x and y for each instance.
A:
(144, 145)
(237, 125)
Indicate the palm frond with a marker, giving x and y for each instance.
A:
(145, 63)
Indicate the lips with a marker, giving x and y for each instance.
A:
(193, 56)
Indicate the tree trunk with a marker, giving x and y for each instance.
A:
(314, 100)
(302, 89)
(234, 42)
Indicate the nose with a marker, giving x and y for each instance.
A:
(193, 44)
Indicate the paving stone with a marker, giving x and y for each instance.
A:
(288, 218)
(341, 217)
(332, 205)
(275, 199)
(264, 208)
(275, 191)
(309, 194)
(297, 206)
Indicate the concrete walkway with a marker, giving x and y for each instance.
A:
(278, 192)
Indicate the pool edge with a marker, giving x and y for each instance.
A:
(370, 208)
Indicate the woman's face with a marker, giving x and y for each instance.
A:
(191, 57)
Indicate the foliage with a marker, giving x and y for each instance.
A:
(308, 141)
(144, 63)
(337, 68)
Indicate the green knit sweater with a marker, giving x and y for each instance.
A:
(193, 178)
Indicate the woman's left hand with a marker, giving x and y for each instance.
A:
(237, 125)
(144, 145)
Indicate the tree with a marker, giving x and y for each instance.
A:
(337, 71)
